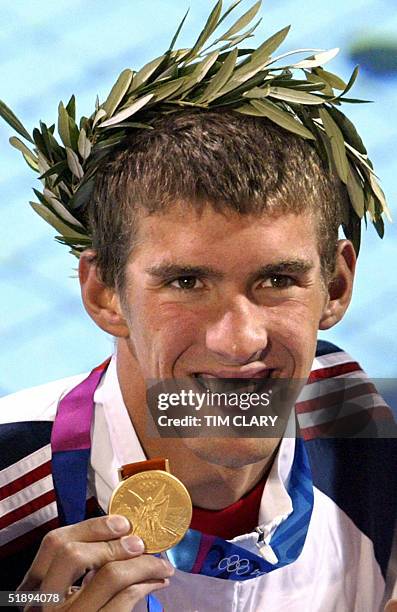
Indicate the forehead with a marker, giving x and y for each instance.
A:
(222, 238)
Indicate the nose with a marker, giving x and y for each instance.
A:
(239, 335)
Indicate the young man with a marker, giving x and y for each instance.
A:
(214, 255)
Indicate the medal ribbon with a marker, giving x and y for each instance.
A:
(71, 446)
(197, 553)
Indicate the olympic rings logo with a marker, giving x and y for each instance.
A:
(234, 564)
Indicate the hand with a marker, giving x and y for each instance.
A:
(119, 573)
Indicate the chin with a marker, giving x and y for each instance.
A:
(232, 452)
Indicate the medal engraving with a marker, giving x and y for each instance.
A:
(158, 507)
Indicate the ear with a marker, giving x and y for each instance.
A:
(340, 287)
(101, 302)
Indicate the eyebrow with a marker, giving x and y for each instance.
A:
(291, 266)
(169, 270)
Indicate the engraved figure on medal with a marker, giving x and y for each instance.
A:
(158, 507)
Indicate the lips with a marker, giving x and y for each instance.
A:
(242, 373)
(224, 381)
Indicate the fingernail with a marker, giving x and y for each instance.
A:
(118, 523)
(132, 544)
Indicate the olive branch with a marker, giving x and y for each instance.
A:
(301, 97)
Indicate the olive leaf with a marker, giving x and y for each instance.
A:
(228, 11)
(355, 191)
(323, 144)
(32, 164)
(264, 108)
(82, 195)
(270, 45)
(320, 83)
(52, 148)
(84, 144)
(333, 79)
(43, 164)
(348, 130)
(220, 78)
(360, 159)
(337, 144)
(260, 57)
(13, 121)
(351, 100)
(63, 125)
(55, 169)
(199, 72)
(51, 218)
(167, 90)
(174, 39)
(349, 85)
(203, 67)
(79, 244)
(209, 29)
(145, 73)
(241, 23)
(71, 107)
(256, 62)
(29, 156)
(117, 92)
(111, 141)
(74, 164)
(319, 59)
(128, 112)
(379, 226)
(378, 192)
(41, 143)
(290, 95)
(236, 40)
(353, 231)
(60, 209)
(258, 92)
(100, 114)
(300, 85)
(131, 124)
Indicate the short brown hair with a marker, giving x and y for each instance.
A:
(231, 161)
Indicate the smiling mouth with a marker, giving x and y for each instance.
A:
(231, 384)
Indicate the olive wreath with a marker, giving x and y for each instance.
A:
(300, 97)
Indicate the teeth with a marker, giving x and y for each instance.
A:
(228, 385)
(209, 383)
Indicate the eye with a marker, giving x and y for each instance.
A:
(186, 283)
(278, 281)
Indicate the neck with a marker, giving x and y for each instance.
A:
(213, 479)
(215, 487)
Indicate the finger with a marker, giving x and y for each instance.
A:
(114, 577)
(129, 597)
(74, 559)
(103, 528)
(61, 607)
(88, 577)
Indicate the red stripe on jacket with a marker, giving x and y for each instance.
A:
(25, 480)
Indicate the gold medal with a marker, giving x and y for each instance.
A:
(155, 502)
